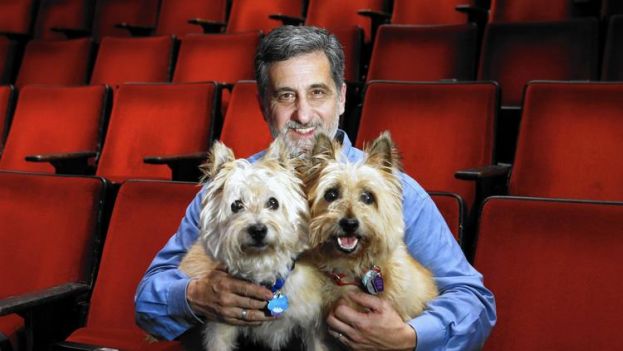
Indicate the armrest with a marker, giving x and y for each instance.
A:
(208, 26)
(183, 167)
(21, 303)
(491, 171)
(288, 20)
(474, 14)
(136, 30)
(69, 346)
(380, 16)
(72, 33)
(67, 163)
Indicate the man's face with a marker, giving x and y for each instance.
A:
(302, 100)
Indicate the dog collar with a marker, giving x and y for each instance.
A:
(371, 282)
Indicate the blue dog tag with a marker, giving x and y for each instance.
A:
(277, 305)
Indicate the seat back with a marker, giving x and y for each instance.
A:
(70, 14)
(569, 142)
(452, 208)
(6, 100)
(108, 13)
(244, 129)
(338, 14)
(49, 228)
(16, 16)
(145, 215)
(155, 120)
(50, 120)
(515, 53)
(219, 57)
(174, 15)
(532, 10)
(549, 264)
(428, 12)
(62, 62)
(121, 60)
(612, 68)
(439, 128)
(252, 15)
(424, 53)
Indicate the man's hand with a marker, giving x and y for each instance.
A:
(380, 328)
(221, 297)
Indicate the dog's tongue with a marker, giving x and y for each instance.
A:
(347, 242)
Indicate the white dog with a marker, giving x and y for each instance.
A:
(254, 220)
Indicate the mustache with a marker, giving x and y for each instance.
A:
(297, 125)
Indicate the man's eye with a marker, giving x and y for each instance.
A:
(318, 93)
(285, 97)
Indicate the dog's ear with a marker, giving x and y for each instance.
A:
(383, 154)
(324, 149)
(218, 156)
(278, 152)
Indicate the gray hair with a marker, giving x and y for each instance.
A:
(286, 42)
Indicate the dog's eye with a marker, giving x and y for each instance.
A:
(331, 195)
(236, 206)
(272, 203)
(367, 198)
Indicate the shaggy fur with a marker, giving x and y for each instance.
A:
(357, 223)
(238, 196)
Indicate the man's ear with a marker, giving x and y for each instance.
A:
(260, 101)
(218, 156)
(342, 99)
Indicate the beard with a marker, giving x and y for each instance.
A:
(300, 146)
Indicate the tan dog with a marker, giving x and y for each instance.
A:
(357, 227)
(254, 220)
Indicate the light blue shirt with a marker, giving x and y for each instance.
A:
(460, 318)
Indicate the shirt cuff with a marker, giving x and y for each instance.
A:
(430, 333)
(178, 305)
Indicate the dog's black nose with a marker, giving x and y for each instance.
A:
(257, 231)
(349, 225)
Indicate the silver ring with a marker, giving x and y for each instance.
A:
(339, 335)
(243, 314)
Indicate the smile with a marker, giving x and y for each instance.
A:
(304, 131)
(347, 244)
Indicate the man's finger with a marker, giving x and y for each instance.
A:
(247, 302)
(340, 326)
(251, 290)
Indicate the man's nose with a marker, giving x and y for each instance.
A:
(303, 113)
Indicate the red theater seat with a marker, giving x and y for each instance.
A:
(340, 14)
(73, 15)
(156, 120)
(515, 53)
(16, 16)
(54, 120)
(535, 10)
(439, 128)
(424, 53)
(551, 265)
(570, 142)
(109, 13)
(452, 208)
(175, 14)
(62, 62)
(48, 234)
(253, 15)
(428, 12)
(145, 215)
(121, 60)
(244, 129)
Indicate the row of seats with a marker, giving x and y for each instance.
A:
(53, 19)
(547, 51)
(535, 253)
(565, 126)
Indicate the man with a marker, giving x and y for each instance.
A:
(299, 71)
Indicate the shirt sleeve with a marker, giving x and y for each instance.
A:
(463, 314)
(161, 307)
